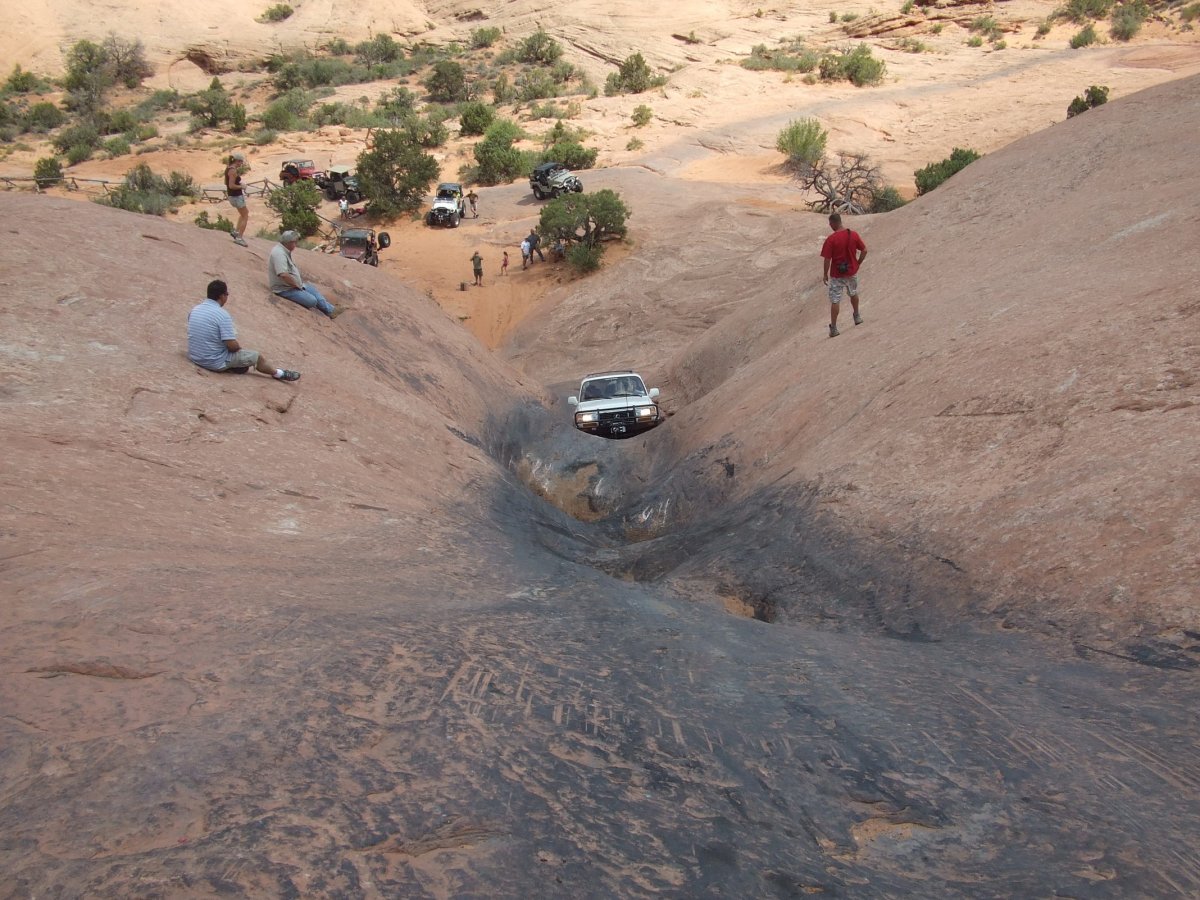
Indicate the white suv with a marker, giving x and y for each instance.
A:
(615, 404)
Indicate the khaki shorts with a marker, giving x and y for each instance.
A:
(242, 358)
(238, 202)
(837, 285)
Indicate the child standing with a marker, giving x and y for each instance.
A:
(504, 264)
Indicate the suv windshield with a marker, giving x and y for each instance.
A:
(607, 388)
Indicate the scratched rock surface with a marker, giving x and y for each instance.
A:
(396, 631)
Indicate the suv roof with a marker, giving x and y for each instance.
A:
(614, 372)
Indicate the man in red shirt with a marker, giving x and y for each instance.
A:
(842, 254)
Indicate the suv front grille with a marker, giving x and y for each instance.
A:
(618, 416)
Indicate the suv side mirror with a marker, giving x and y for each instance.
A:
(384, 240)
(572, 401)
(653, 393)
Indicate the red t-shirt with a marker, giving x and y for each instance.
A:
(839, 246)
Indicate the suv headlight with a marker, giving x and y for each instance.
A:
(585, 418)
(646, 412)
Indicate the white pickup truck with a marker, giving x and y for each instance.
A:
(615, 405)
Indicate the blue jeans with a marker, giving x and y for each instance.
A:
(308, 297)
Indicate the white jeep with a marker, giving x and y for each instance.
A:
(615, 405)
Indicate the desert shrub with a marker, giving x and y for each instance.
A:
(1044, 27)
(792, 56)
(428, 130)
(117, 122)
(498, 160)
(475, 117)
(276, 13)
(145, 192)
(338, 47)
(447, 83)
(263, 136)
(395, 173)
(87, 78)
(484, 37)
(562, 72)
(238, 120)
(539, 47)
(571, 154)
(847, 184)
(43, 116)
(47, 171)
(181, 184)
(1000, 45)
(934, 174)
(127, 60)
(78, 153)
(937, 27)
(911, 45)
(210, 107)
(585, 258)
(118, 146)
(1085, 37)
(296, 205)
(22, 82)
(549, 110)
(1127, 19)
(887, 199)
(584, 219)
(802, 142)
(381, 49)
(849, 17)
(633, 76)
(397, 104)
(642, 115)
(986, 26)
(535, 84)
(1096, 95)
(157, 102)
(80, 135)
(288, 111)
(635, 143)
(857, 66)
(1086, 10)
(221, 224)
(974, 41)
(1190, 13)
(502, 91)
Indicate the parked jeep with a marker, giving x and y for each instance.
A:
(449, 207)
(549, 179)
(294, 170)
(615, 405)
(362, 245)
(339, 182)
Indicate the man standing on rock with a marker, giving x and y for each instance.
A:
(237, 195)
(212, 339)
(477, 266)
(535, 242)
(286, 281)
(842, 254)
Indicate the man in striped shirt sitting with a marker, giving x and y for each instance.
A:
(212, 339)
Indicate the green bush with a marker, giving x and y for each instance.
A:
(380, 50)
(886, 200)
(633, 76)
(277, 13)
(447, 83)
(499, 161)
(857, 66)
(974, 41)
(395, 173)
(1190, 13)
(1086, 10)
(47, 171)
(792, 56)
(22, 82)
(585, 258)
(81, 135)
(42, 117)
(117, 146)
(1044, 27)
(934, 174)
(221, 224)
(539, 47)
(1096, 95)
(906, 8)
(156, 102)
(296, 205)
(484, 37)
(571, 154)
(78, 153)
(642, 115)
(1085, 37)
(802, 142)
(475, 117)
(585, 219)
(238, 120)
(535, 84)
(562, 72)
(502, 91)
(986, 26)
(397, 104)
(145, 192)
(338, 47)
(126, 60)
(1127, 19)
(635, 144)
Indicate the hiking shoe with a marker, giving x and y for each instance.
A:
(337, 311)
(238, 239)
(857, 319)
(288, 375)
(833, 332)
